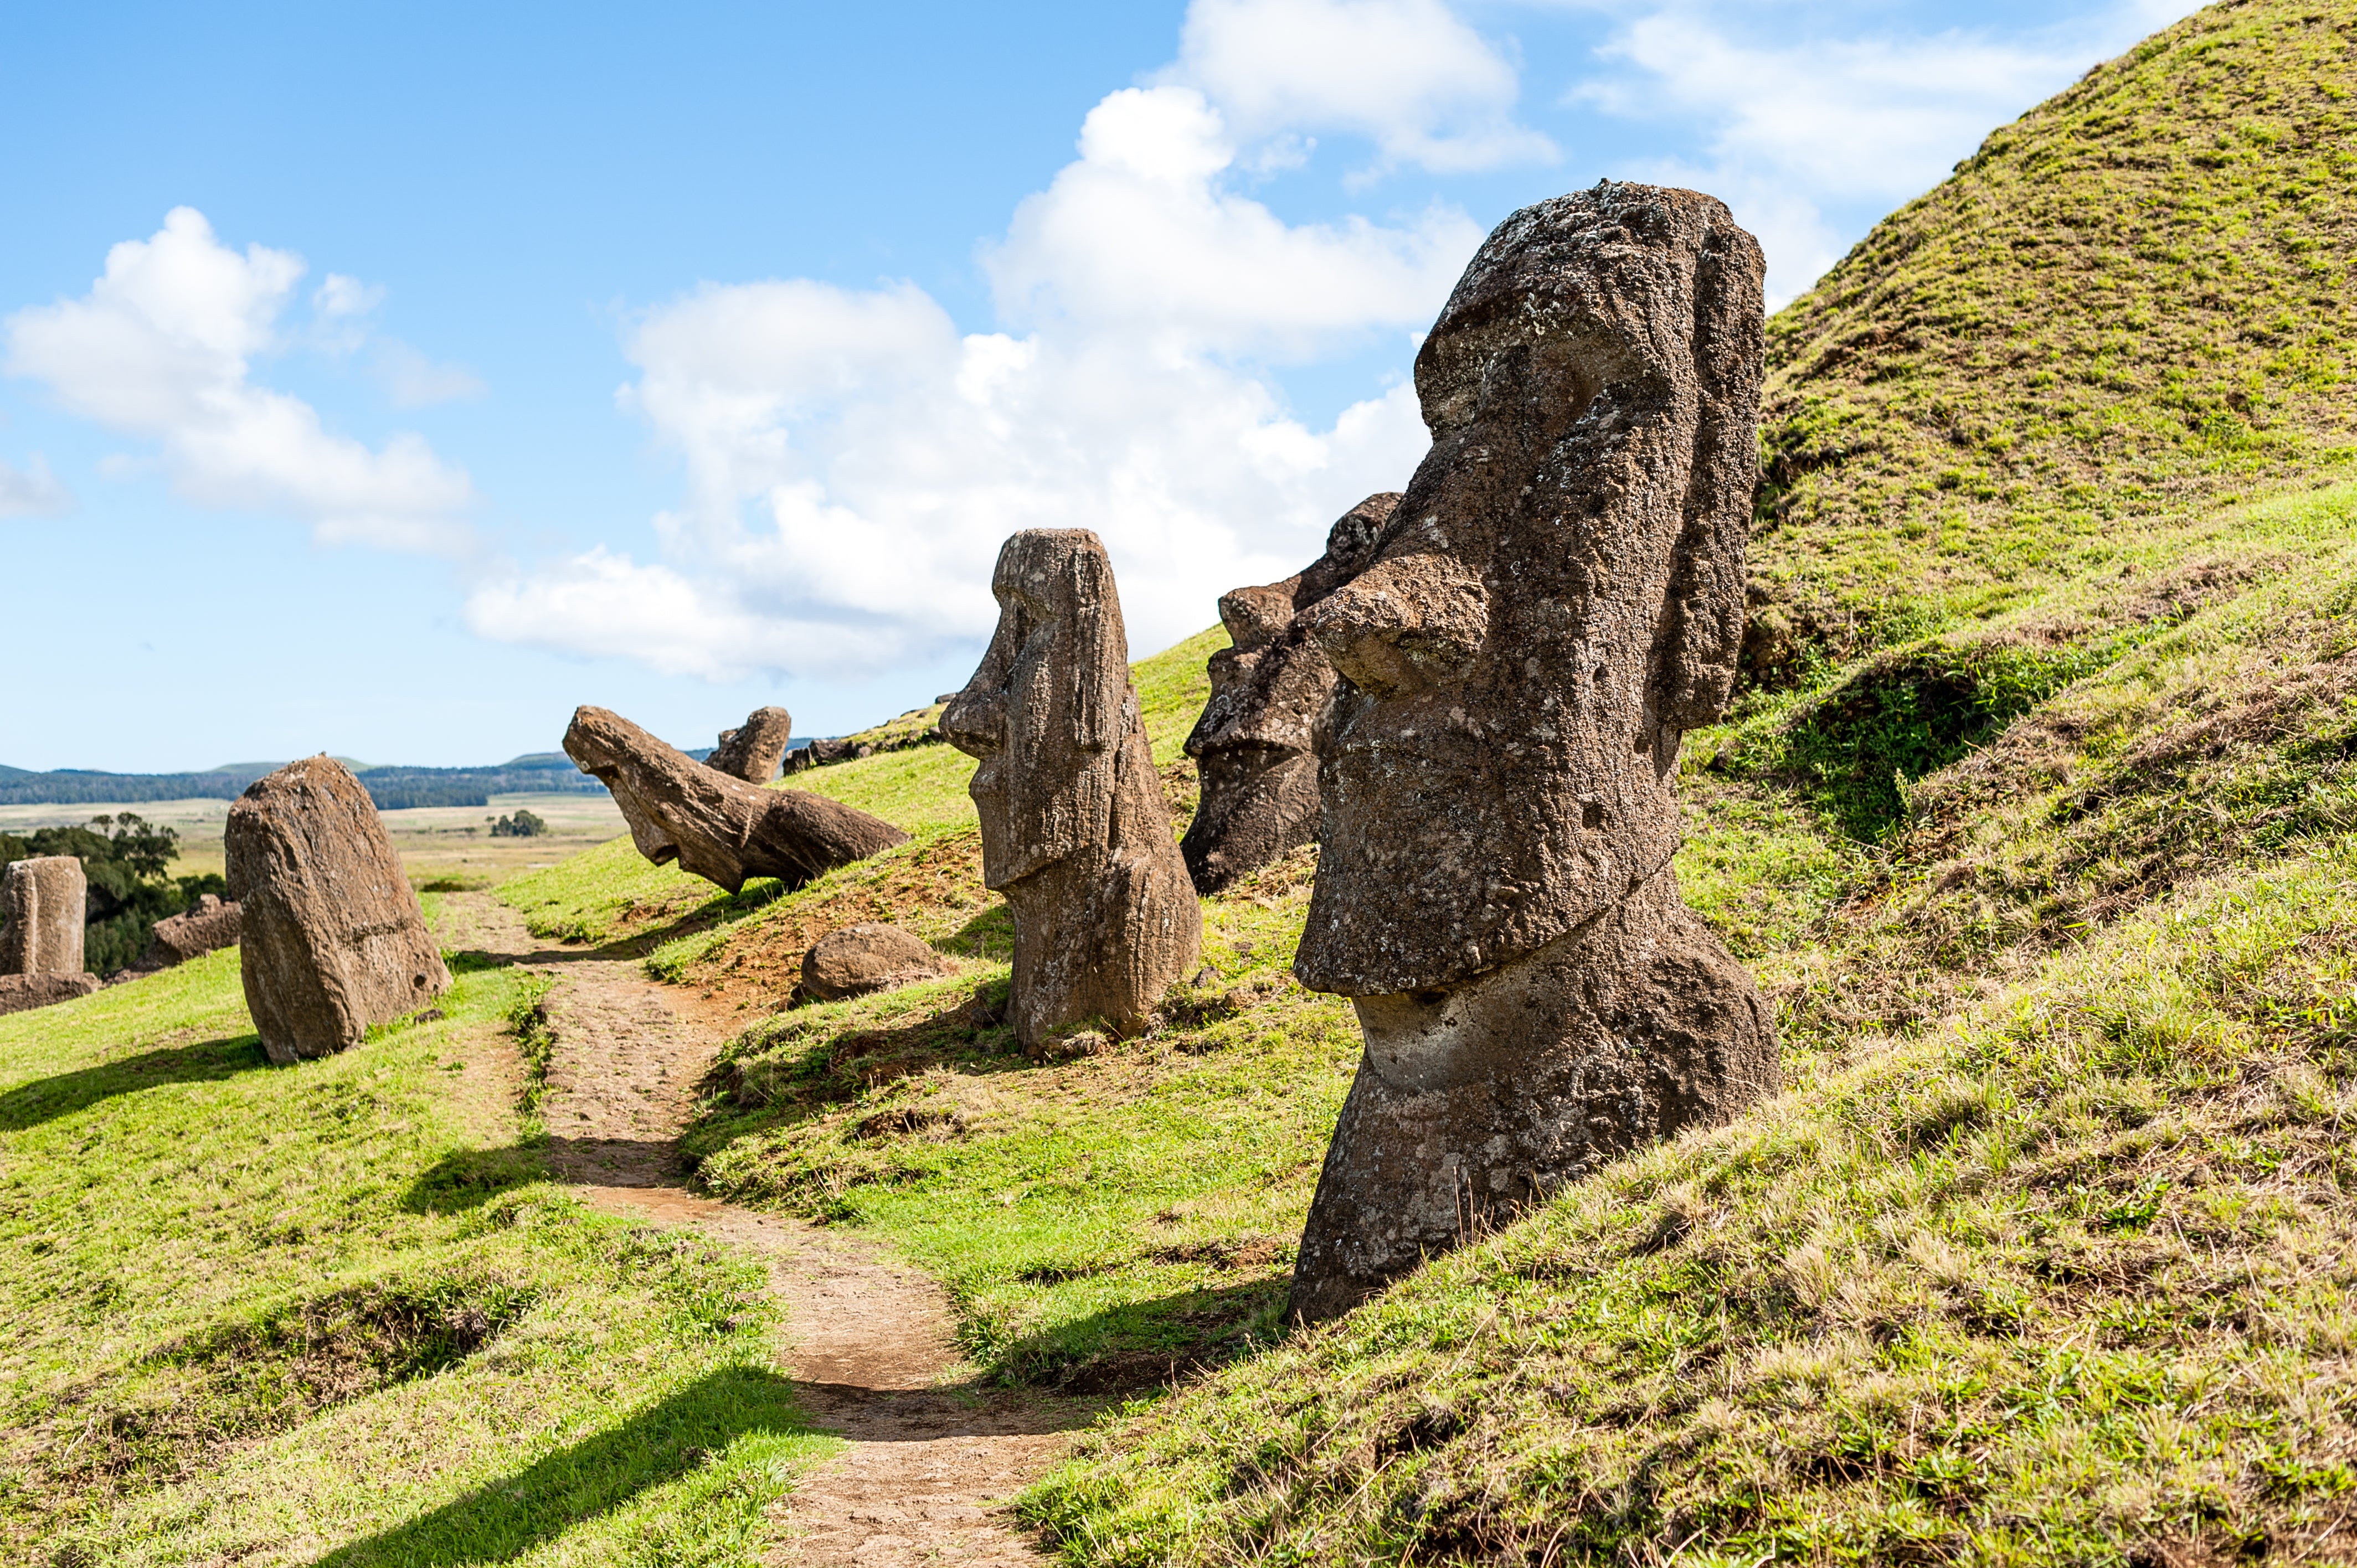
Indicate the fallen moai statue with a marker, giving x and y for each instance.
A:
(752, 750)
(1255, 745)
(334, 938)
(1558, 597)
(209, 926)
(45, 901)
(1075, 831)
(23, 992)
(715, 826)
(868, 957)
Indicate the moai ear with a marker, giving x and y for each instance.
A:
(1700, 635)
(1097, 648)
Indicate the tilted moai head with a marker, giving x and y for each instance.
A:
(1075, 832)
(1556, 599)
(753, 749)
(1255, 745)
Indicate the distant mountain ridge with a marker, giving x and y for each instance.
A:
(393, 789)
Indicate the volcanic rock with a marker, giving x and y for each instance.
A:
(334, 938)
(45, 901)
(1255, 745)
(1558, 598)
(752, 750)
(1075, 829)
(715, 826)
(860, 959)
(211, 925)
(23, 992)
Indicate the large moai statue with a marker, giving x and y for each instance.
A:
(1558, 597)
(1255, 745)
(715, 826)
(334, 939)
(45, 901)
(753, 749)
(1075, 831)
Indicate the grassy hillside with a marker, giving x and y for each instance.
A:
(2132, 303)
(273, 1313)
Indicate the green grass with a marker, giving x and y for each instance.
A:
(335, 1312)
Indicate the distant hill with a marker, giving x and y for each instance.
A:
(393, 788)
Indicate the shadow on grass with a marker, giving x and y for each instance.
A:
(47, 1098)
(501, 1521)
(469, 1179)
(1132, 1345)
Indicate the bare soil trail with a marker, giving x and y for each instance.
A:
(871, 1348)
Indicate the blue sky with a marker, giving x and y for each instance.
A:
(387, 381)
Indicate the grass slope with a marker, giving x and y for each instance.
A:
(334, 1313)
(2132, 303)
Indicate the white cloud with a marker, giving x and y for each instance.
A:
(1794, 123)
(412, 381)
(161, 348)
(1406, 74)
(32, 491)
(853, 462)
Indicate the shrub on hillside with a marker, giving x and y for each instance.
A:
(522, 825)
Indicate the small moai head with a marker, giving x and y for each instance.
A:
(1255, 743)
(753, 749)
(1556, 598)
(1049, 706)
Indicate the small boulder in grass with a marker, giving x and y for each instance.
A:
(866, 958)
(23, 992)
(209, 926)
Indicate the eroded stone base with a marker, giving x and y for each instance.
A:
(1473, 1103)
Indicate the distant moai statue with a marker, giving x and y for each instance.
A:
(334, 938)
(715, 824)
(1075, 831)
(1556, 599)
(753, 749)
(1255, 745)
(45, 899)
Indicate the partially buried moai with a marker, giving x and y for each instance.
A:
(1075, 832)
(44, 901)
(1255, 745)
(334, 939)
(753, 749)
(1558, 598)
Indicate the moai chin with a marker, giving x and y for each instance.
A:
(1255, 747)
(44, 900)
(1558, 598)
(1075, 832)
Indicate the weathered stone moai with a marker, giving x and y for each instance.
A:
(1255, 745)
(45, 901)
(716, 826)
(1558, 597)
(1075, 831)
(753, 749)
(334, 938)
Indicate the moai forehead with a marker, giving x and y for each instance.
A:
(1557, 597)
(1048, 705)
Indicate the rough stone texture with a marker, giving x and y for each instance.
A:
(860, 959)
(1558, 597)
(1075, 829)
(333, 936)
(753, 749)
(45, 900)
(23, 992)
(1255, 747)
(211, 925)
(718, 827)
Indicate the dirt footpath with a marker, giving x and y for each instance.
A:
(931, 1454)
